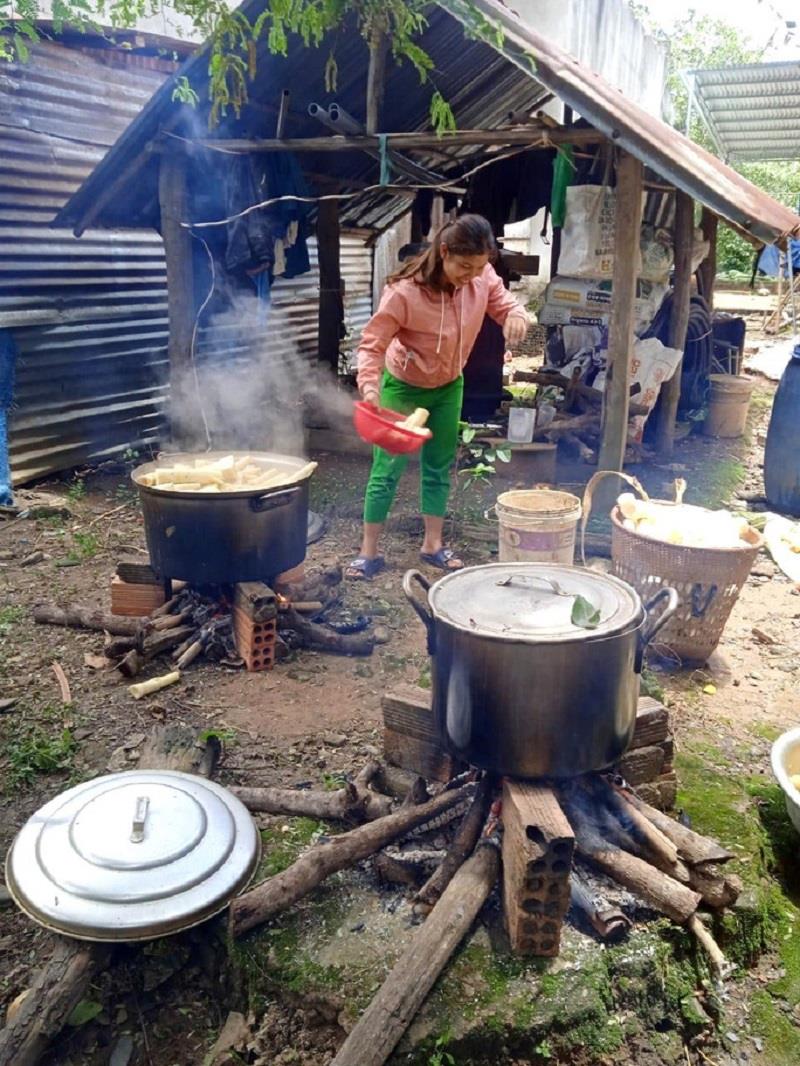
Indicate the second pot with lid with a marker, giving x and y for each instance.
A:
(536, 667)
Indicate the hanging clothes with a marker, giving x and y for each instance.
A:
(512, 189)
(252, 239)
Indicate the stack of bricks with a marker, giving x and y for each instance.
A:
(136, 590)
(411, 741)
(255, 624)
(648, 764)
(410, 738)
(538, 846)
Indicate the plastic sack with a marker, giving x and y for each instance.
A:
(657, 252)
(652, 364)
(587, 239)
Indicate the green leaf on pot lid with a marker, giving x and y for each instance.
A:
(584, 614)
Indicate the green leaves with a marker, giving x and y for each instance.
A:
(584, 614)
(86, 1011)
(442, 118)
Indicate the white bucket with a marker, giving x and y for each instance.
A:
(521, 421)
(537, 526)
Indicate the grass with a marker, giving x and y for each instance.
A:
(37, 752)
(9, 616)
(85, 546)
(76, 491)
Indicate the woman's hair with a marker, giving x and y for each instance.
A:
(468, 235)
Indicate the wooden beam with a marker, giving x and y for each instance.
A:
(707, 271)
(376, 78)
(533, 136)
(679, 320)
(620, 327)
(173, 202)
(331, 303)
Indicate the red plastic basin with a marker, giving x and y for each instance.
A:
(377, 425)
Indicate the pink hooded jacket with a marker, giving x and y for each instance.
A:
(424, 337)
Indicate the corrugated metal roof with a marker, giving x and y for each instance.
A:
(666, 151)
(752, 111)
(481, 86)
(89, 316)
(483, 82)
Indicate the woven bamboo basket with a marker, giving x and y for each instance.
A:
(707, 580)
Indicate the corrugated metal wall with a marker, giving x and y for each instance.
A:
(89, 316)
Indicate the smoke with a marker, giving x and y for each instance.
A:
(256, 389)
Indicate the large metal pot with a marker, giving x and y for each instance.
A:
(224, 537)
(520, 689)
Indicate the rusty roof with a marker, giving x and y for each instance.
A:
(483, 77)
(669, 153)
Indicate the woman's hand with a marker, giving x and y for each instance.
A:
(371, 395)
(515, 328)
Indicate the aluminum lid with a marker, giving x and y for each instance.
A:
(132, 856)
(533, 601)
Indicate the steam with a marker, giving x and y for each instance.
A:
(258, 391)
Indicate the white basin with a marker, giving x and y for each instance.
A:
(785, 762)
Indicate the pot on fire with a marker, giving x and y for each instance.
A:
(519, 688)
(223, 537)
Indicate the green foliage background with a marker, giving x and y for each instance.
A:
(697, 42)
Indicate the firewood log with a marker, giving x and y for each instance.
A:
(382, 1024)
(658, 889)
(323, 639)
(353, 803)
(695, 849)
(322, 860)
(76, 617)
(463, 845)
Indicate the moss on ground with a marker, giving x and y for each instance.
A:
(748, 815)
(490, 1007)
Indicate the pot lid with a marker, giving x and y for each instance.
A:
(133, 855)
(533, 601)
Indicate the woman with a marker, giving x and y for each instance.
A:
(412, 354)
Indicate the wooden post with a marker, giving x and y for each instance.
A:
(331, 306)
(173, 200)
(378, 47)
(620, 328)
(679, 321)
(707, 271)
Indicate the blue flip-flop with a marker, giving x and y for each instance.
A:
(363, 569)
(441, 560)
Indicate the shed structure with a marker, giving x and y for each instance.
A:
(496, 72)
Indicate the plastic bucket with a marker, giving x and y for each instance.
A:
(537, 526)
(728, 405)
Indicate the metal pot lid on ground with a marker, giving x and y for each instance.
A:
(132, 856)
(534, 601)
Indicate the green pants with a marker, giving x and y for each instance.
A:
(437, 456)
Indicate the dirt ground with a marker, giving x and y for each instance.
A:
(313, 715)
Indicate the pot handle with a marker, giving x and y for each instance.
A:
(271, 502)
(652, 627)
(424, 612)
